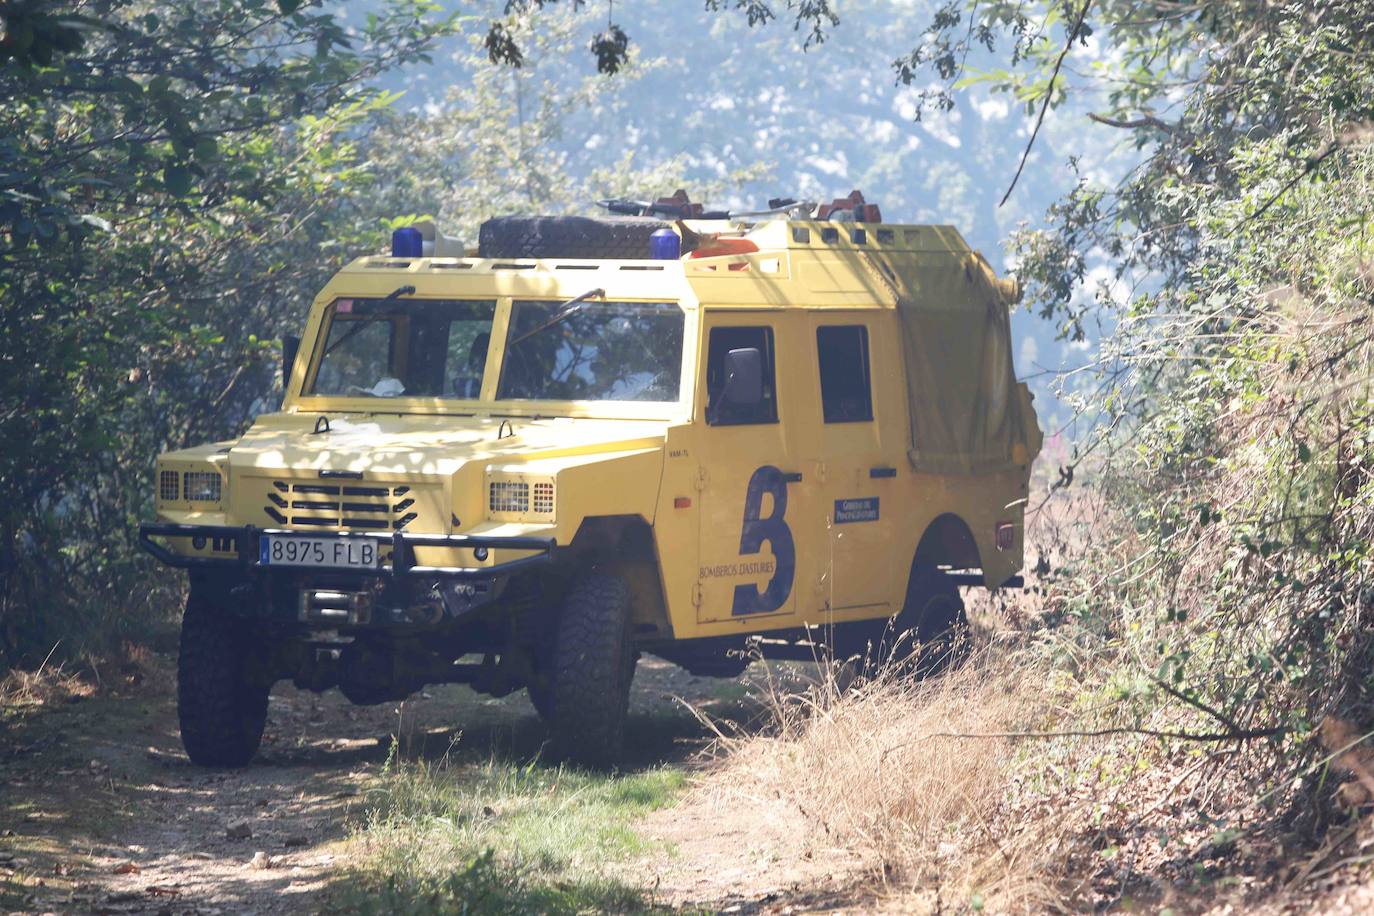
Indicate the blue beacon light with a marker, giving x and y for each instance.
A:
(664, 245)
(407, 242)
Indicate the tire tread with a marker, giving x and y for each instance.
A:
(221, 717)
(593, 664)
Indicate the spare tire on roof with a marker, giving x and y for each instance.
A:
(566, 237)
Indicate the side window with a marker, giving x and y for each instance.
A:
(846, 388)
(718, 411)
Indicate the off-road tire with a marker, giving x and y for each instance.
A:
(222, 713)
(589, 680)
(931, 630)
(541, 697)
(566, 237)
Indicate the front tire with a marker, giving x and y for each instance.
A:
(541, 697)
(222, 712)
(593, 665)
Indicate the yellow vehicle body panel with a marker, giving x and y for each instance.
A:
(754, 527)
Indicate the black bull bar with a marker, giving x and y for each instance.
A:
(247, 540)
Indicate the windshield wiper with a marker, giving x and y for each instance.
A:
(390, 297)
(565, 311)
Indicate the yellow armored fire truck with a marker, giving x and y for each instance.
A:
(675, 432)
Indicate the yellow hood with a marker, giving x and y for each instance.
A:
(427, 446)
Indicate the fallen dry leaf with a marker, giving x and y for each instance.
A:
(157, 890)
(126, 868)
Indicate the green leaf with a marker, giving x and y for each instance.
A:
(288, 6)
(177, 180)
(207, 149)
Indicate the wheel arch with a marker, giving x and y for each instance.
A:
(623, 545)
(947, 541)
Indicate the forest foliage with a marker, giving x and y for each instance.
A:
(168, 208)
(1236, 390)
(160, 193)
(1225, 589)
(177, 179)
(168, 204)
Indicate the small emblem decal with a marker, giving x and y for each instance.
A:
(856, 510)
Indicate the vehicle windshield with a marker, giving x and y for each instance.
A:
(593, 351)
(388, 348)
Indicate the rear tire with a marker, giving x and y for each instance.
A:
(222, 712)
(931, 631)
(589, 680)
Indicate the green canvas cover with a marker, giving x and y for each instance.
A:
(969, 415)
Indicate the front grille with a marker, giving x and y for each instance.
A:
(508, 496)
(169, 486)
(322, 505)
(202, 486)
(543, 498)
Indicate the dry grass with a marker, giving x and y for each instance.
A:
(50, 684)
(915, 778)
(993, 787)
(43, 687)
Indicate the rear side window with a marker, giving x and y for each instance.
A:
(723, 340)
(846, 387)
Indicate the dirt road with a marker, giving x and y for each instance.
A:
(100, 811)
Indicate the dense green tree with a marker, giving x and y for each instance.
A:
(157, 165)
(163, 223)
(1234, 397)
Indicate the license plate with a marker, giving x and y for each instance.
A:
(334, 553)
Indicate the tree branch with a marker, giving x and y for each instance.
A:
(1311, 167)
(1049, 94)
(1145, 120)
(1248, 734)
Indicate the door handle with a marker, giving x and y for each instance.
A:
(879, 473)
(791, 476)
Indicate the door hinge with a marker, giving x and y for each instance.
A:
(696, 594)
(702, 478)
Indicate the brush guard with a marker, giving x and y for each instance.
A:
(245, 542)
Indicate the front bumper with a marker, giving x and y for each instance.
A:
(246, 541)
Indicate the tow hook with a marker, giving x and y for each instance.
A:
(462, 597)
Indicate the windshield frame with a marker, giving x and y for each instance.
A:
(299, 400)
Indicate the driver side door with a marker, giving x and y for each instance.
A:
(748, 481)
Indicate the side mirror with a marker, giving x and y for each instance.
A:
(290, 346)
(743, 377)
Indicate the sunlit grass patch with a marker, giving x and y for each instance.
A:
(483, 886)
(514, 838)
